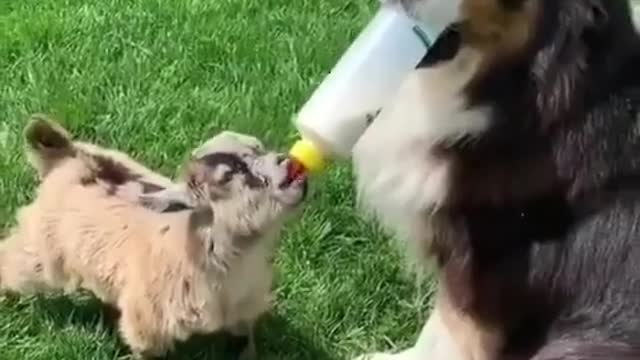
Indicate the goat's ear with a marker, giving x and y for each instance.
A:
(48, 143)
(206, 181)
(201, 237)
(186, 195)
(228, 141)
(560, 69)
(172, 199)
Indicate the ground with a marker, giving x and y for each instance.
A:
(157, 77)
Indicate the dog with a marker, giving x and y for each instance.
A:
(175, 258)
(511, 162)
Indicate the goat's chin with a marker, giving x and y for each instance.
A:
(400, 180)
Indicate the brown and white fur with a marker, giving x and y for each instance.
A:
(183, 258)
(510, 160)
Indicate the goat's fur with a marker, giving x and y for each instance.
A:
(175, 259)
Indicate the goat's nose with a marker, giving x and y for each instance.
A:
(280, 158)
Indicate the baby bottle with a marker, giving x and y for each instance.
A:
(366, 76)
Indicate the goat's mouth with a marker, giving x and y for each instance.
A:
(293, 180)
(298, 184)
(289, 187)
(294, 184)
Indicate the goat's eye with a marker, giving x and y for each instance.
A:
(257, 150)
(264, 179)
(226, 178)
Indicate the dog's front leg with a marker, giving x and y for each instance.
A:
(449, 334)
(434, 343)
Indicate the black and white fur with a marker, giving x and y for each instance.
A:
(511, 159)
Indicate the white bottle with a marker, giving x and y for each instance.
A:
(368, 74)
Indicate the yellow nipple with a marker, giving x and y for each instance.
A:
(308, 154)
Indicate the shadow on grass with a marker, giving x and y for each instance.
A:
(276, 338)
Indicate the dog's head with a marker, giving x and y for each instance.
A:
(563, 51)
(561, 48)
(481, 129)
(541, 69)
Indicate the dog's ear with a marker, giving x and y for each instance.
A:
(171, 199)
(560, 68)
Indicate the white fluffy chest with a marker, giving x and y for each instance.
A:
(399, 178)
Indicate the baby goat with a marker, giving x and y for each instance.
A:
(175, 258)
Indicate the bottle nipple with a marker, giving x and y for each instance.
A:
(307, 155)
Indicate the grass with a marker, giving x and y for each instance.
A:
(157, 77)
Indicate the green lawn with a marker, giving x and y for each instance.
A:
(157, 77)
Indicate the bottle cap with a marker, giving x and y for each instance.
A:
(308, 155)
